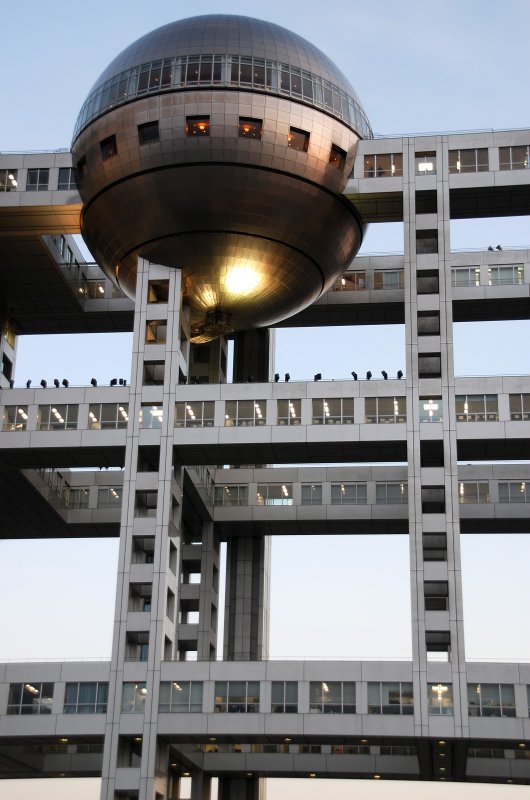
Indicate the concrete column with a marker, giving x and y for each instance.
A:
(201, 786)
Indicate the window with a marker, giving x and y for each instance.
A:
(429, 365)
(434, 546)
(245, 412)
(8, 180)
(237, 697)
(390, 698)
(431, 409)
(298, 140)
(30, 698)
(491, 700)
(289, 412)
(519, 406)
(143, 550)
(37, 180)
(425, 163)
(473, 492)
(428, 323)
(148, 132)
(81, 167)
(15, 418)
(93, 289)
(85, 698)
(389, 279)
(351, 282)
(476, 408)
(108, 147)
(512, 275)
(348, 494)
(108, 416)
(137, 646)
(57, 418)
(465, 276)
(284, 697)
(332, 697)
(158, 291)
(383, 165)
(151, 416)
(514, 492)
(391, 493)
(426, 242)
(337, 157)
(153, 373)
(311, 494)
(195, 414)
(133, 698)
(9, 333)
(198, 126)
(145, 503)
(180, 697)
(427, 281)
(436, 594)
(426, 201)
(7, 366)
(433, 499)
(472, 160)
(275, 494)
(250, 128)
(515, 157)
(385, 409)
(110, 496)
(156, 331)
(440, 696)
(66, 178)
(335, 411)
(140, 597)
(77, 497)
(230, 495)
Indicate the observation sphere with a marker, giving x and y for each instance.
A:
(220, 145)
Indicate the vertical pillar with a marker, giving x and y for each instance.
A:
(249, 788)
(253, 355)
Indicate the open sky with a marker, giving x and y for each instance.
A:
(418, 66)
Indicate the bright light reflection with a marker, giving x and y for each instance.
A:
(241, 280)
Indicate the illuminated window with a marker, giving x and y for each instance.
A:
(515, 157)
(230, 495)
(514, 492)
(431, 409)
(57, 418)
(8, 180)
(476, 407)
(333, 411)
(107, 416)
(274, 494)
(133, 698)
(245, 412)
(195, 414)
(440, 696)
(289, 412)
(151, 416)
(509, 275)
(389, 279)
(470, 160)
(473, 492)
(110, 496)
(250, 128)
(351, 282)
(391, 493)
(348, 494)
(332, 697)
(180, 697)
(30, 698)
(15, 418)
(465, 276)
(383, 165)
(385, 409)
(298, 140)
(198, 126)
(337, 157)
(425, 163)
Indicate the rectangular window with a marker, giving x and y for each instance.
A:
(434, 546)
(514, 492)
(57, 418)
(145, 503)
(30, 698)
(85, 698)
(158, 291)
(511, 275)
(195, 414)
(432, 499)
(245, 412)
(311, 494)
(153, 373)
(108, 147)
(391, 493)
(348, 494)
(436, 594)
(284, 697)
(151, 416)
(383, 165)
(15, 418)
(148, 132)
(515, 157)
(77, 497)
(180, 697)
(465, 276)
(473, 492)
(230, 495)
(275, 494)
(108, 416)
(66, 179)
(385, 409)
(389, 279)
(491, 700)
(476, 408)
(425, 163)
(156, 331)
(428, 323)
(427, 281)
(390, 698)
(235, 697)
(298, 140)
(471, 160)
(93, 289)
(429, 365)
(332, 697)
(133, 697)
(289, 412)
(440, 697)
(37, 180)
(337, 157)
(110, 496)
(519, 407)
(426, 242)
(431, 409)
(250, 128)
(8, 180)
(351, 282)
(334, 411)
(198, 126)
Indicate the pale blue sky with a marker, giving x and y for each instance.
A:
(418, 66)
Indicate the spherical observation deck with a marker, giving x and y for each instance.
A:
(220, 145)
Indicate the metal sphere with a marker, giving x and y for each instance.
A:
(220, 145)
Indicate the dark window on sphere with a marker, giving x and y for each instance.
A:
(148, 132)
(250, 128)
(298, 140)
(82, 168)
(108, 147)
(337, 157)
(197, 126)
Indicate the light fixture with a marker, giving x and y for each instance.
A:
(66, 383)
(28, 384)
(114, 382)
(11, 383)
(368, 375)
(384, 374)
(399, 374)
(354, 375)
(56, 383)
(43, 384)
(312, 775)
(364, 741)
(287, 739)
(325, 687)
(93, 382)
(287, 377)
(377, 777)
(276, 377)
(441, 742)
(318, 376)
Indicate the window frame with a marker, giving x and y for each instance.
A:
(10, 415)
(38, 697)
(485, 407)
(246, 702)
(97, 705)
(234, 417)
(343, 410)
(64, 421)
(405, 698)
(332, 697)
(283, 704)
(373, 414)
(194, 414)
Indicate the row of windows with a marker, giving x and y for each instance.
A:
(242, 413)
(37, 179)
(474, 159)
(505, 275)
(233, 697)
(204, 70)
(383, 279)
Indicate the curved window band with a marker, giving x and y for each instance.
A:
(204, 71)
